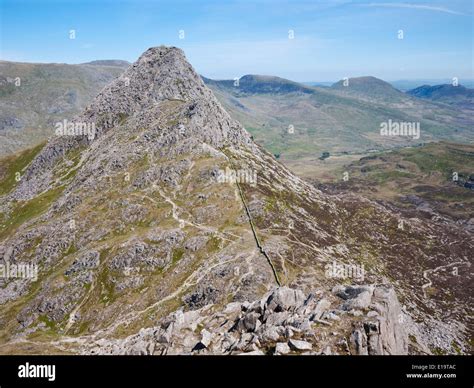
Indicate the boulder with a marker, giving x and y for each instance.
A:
(320, 308)
(250, 322)
(299, 345)
(358, 342)
(277, 319)
(390, 331)
(384, 333)
(284, 299)
(356, 297)
(270, 333)
(206, 338)
(282, 348)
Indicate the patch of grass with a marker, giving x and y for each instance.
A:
(37, 241)
(49, 324)
(83, 327)
(443, 157)
(28, 210)
(71, 250)
(107, 288)
(172, 122)
(11, 165)
(107, 294)
(382, 177)
(7, 89)
(438, 351)
(199, 327)
(456, 347)
(271, 204)
(177, 255)
(73, 156)
(122, 118)
(213, 244)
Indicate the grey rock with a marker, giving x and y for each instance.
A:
(356, 297)
(206, 338)
(383, 333)
(331, 316)
(284, 299)
(299, 345)
(358, 341)
(327, 351)
(277, 319)
(282, 348)
(390, 334)
(270, 333)
(320, 308)
(251, 321)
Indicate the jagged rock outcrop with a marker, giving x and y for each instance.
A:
(384, 332)
(284, 321)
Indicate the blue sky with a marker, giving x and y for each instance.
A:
(230, 38)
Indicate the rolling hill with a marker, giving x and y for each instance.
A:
(369, 88)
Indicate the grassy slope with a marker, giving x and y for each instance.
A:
(13, 164)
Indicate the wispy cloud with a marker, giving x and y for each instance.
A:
(413, 6)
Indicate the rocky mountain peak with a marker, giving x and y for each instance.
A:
(162, 100)
(160, 74)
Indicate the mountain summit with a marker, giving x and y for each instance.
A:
(260, 84)
(156, 226)
(459, 95)
(368, 87)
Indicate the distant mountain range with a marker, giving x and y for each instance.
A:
(108, 62)
(293, 120)
(404, 85)
(334, 118)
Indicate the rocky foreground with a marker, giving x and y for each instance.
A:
(360, 320)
